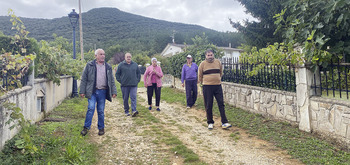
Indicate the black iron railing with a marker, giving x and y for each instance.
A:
(269, 76)
(9, 81)
(332, 80)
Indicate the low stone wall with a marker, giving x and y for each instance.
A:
(277, 104)
(331, 118)
(36, 99)
(327, 117)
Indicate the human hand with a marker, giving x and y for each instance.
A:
(182, 84)
(82, 95)
(114, 95)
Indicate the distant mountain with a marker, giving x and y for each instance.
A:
(109, 26)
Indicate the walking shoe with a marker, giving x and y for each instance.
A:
(210, 126)
(101, 132)
(188, 107)
(149, 108)
(127, 114)
(134, 113)
(84, 131)
(158, 109)
(226, 125)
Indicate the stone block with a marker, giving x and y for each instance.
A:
(283, 100)
(314, 105)
(289, 100)
(272, 110)
(325, 105)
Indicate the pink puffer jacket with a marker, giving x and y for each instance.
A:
(148, 74)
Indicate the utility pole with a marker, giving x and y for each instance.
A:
(81, 33)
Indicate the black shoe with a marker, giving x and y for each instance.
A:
(134, 113)
(84, 131)
(101, 132)
(158, 109)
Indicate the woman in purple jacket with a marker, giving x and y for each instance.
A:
(152, 79)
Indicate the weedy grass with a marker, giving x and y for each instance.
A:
(162, 136)
(53, 142)
(307, 147)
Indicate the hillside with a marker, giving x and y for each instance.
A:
(109, 26)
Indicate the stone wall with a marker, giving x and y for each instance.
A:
(268, 102)
(40, 96)
(331, 118)
(325, 116)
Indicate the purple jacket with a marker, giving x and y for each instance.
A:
(148, 74)
(189, 73)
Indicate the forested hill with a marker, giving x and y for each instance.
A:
(109, 26)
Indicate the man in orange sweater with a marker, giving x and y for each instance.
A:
(209, 75)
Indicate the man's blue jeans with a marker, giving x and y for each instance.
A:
(98, 97)
(129, 91)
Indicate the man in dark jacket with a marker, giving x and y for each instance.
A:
(128, 75)
(97, 84)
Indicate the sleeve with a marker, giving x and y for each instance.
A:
(160, 73)
(83, 81)
(220, 69)
(200, 73)
(183, 74)
(118, 73)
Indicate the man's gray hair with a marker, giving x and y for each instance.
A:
(97, 50)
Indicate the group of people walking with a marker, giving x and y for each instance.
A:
(98, 85)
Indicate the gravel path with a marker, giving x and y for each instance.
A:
(124, 143)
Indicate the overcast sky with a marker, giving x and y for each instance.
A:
(213, 14)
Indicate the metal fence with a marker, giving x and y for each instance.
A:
(8, 81)
(332, 80)
(269, 76)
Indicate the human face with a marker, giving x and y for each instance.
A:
(100, 56)
(154, 63)
(128, 58)
(189, 60)
(209, 56)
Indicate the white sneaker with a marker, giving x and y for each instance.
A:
(226, 125)
(210, 126)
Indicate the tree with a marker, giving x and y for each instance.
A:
(260, 33)
(112, 51)
(201, 44)
(318, 26)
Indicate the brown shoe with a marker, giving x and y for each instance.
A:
(84, 131)
(101, 132)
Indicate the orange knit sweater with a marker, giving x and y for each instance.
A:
(210, 73)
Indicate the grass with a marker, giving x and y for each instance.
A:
(158, 130)
(53, 142)
(306, 147)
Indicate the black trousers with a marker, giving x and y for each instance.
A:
(156, 90)
(209, 92)
(191, 92)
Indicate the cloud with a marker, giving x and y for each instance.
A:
(213, 14)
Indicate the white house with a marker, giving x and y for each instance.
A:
(172, 49)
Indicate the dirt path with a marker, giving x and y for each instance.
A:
(125, 144)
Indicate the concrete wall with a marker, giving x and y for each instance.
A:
(327, 117)
(26, 98)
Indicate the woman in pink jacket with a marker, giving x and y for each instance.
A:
(153, 82)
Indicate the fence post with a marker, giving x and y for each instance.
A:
(304, 91)
(31, 76)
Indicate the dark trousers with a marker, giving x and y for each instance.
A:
(191, 92)
(209, 92)
(156, 90)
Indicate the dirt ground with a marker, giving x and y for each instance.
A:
(124, 142)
